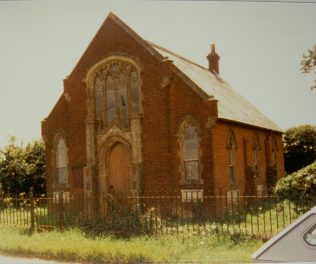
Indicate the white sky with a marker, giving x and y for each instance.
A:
(260, 44)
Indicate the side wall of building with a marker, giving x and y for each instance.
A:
(247, 181)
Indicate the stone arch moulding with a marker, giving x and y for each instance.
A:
(91, 73)
(188, 119)
(107, 144)
(231, 140)
(58, 133)
(256, 142)
(98, 141)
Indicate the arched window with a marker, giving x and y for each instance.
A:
(61, 161)
(255, 150)
(231, 148)
(272, 170)
(117, 93)
(190, 147)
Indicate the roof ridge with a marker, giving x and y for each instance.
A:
(175, 54)
(127, 29)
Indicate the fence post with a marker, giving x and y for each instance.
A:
(61, 210)
(32, 228)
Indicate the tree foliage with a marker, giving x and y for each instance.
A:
(299, 187)
(308, 63)
(299, 147)
(23, 168)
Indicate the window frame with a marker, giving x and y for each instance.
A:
(232, 159)
(125, 74)
(312, 228)
(274, 150)
(189, 121)
(56, 152)
(256, 154)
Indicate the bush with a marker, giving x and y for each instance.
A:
(299, 147)
(299, 187)
(23, 168)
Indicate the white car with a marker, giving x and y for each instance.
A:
(296, 243)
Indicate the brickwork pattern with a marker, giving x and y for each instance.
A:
(164, 108)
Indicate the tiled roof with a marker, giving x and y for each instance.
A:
(231, 105)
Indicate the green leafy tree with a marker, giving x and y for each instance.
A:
(299, 187)
(308, 63)
(23, 168)
(299, 147)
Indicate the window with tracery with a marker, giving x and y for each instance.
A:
(117, 93)
(231, 148)
(61, 161)
(190, 145)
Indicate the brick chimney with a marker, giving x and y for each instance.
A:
(213, 60)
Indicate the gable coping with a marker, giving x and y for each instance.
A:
(129, 31)
(150, 47)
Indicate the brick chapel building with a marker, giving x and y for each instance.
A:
(137, 118)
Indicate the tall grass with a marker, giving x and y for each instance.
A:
(74, 245)
(263, 218)
(226, 238)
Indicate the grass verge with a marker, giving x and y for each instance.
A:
(74, 245)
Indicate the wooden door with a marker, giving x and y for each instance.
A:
(119, 170)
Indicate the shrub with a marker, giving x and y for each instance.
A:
(22, 168)
(299, 147)
(299, 187)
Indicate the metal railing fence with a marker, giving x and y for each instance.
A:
(150, 214)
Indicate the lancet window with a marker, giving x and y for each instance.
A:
(231, 149)
(61, 161)
(190, 146)
(256, 149)
(274, 151)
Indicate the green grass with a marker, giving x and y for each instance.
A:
(74, 245)
(267, 218)
(193, 240)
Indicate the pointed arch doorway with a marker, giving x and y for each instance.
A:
(115, 174)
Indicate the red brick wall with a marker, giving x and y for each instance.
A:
(220, 134)
(183, 101)
(163, 110)
(111, 39)
(57, 122)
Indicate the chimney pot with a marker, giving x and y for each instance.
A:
(213, 60)
(213, 48)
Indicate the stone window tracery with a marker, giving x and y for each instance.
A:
(117, 93)
(99, 83)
